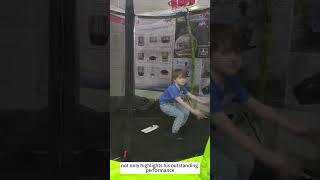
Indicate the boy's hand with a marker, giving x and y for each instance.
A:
(285, 167)
(312, 132)
(206, 103)
(312, 135)
(198, 114)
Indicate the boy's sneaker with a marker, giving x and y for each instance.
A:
(182, 130)
(176, 136)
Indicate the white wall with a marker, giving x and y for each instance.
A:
(93, 59)
(117, 59)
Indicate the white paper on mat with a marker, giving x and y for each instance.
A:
(150, 128)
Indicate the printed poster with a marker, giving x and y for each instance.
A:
(154, 41)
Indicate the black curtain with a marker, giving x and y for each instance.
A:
(62, 86)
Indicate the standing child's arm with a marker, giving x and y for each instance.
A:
(279, 162)
(196, 98)
(268, 113)
(196, 112)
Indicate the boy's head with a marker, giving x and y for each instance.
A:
(225, 49)
(179, 76)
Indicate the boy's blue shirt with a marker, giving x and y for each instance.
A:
(233, 91)
(171, 93)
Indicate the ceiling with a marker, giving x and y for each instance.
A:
(153, 7)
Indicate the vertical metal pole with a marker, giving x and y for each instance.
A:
(54, 90)
(212, 174)
(61, 87)
(193, 55)
(68, 85)
(129, 92)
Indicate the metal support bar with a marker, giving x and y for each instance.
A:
(129, 89)
(173, 15)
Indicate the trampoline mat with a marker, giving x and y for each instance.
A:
(157, 145)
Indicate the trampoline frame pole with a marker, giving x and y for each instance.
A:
(129, 67)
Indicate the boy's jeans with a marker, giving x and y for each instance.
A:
(178, 111)
(228, 160)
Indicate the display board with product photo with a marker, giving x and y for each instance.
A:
(162, 45)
